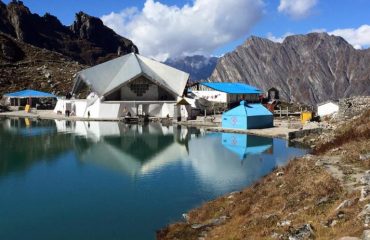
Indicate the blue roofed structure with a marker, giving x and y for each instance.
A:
(232, 88)
(31, 97)
(225, 92)
(247, 116)
(29, 94)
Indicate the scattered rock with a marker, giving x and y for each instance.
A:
(335, 149)
(333, 223)
(275, 235)
(365, 191)
(197, 226)
(284, 223)
(304, 232)
(322, 200)
(329, 223)
(365, 211)
(185, 217)
(345, 204)
(352, 107)
(212, 222)
(349, 238)
(365, 179)
(340, 214)
(366, 235)
(364, 157)
(367, 221)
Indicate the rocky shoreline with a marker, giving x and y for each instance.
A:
(323, 195)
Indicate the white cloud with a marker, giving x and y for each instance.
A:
(273, 38)
(358, 37)
(297, 8)
(162, 31)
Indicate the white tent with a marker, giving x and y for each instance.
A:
(110, 76)
(131, 83)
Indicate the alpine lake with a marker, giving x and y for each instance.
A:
(108, 180)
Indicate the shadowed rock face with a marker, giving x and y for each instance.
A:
(9, 50)
(199, 67)
(305, 68)
(88, 40)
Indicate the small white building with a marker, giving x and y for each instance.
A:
(129, 85)
(327, 108)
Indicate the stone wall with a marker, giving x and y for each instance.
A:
(354, 106)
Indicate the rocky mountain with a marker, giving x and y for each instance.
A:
(199, 67)
(305, 68)
(87, 40)
(39, 52)
(23, 66)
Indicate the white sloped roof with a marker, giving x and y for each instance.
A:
(109, 76)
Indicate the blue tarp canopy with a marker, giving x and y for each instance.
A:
(232, 88)
(30, 94)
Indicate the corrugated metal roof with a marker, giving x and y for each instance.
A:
(232, 88)
(245, 109)
(30, 93)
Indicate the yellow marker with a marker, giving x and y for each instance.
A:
(305, 117)
(27, 108)
(27, 121)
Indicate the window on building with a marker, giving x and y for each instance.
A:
(139, 88)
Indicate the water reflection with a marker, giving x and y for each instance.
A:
(137, 150)
(243, 145)
(25, 142)
(136, 177)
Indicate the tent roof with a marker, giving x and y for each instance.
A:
(245, 109)
(29, 93)
(232, 88)
(109, 76)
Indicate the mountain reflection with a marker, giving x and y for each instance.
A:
(25, 142)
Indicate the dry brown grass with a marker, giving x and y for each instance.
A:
(356, 130)
(305, 194)
(255, 212)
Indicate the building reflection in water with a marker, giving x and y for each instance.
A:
(218, 160)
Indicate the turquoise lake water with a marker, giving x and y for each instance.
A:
(103, 180)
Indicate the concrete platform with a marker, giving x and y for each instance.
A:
(50, 115)
(283, 128)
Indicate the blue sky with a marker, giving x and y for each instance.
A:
(340, 17)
